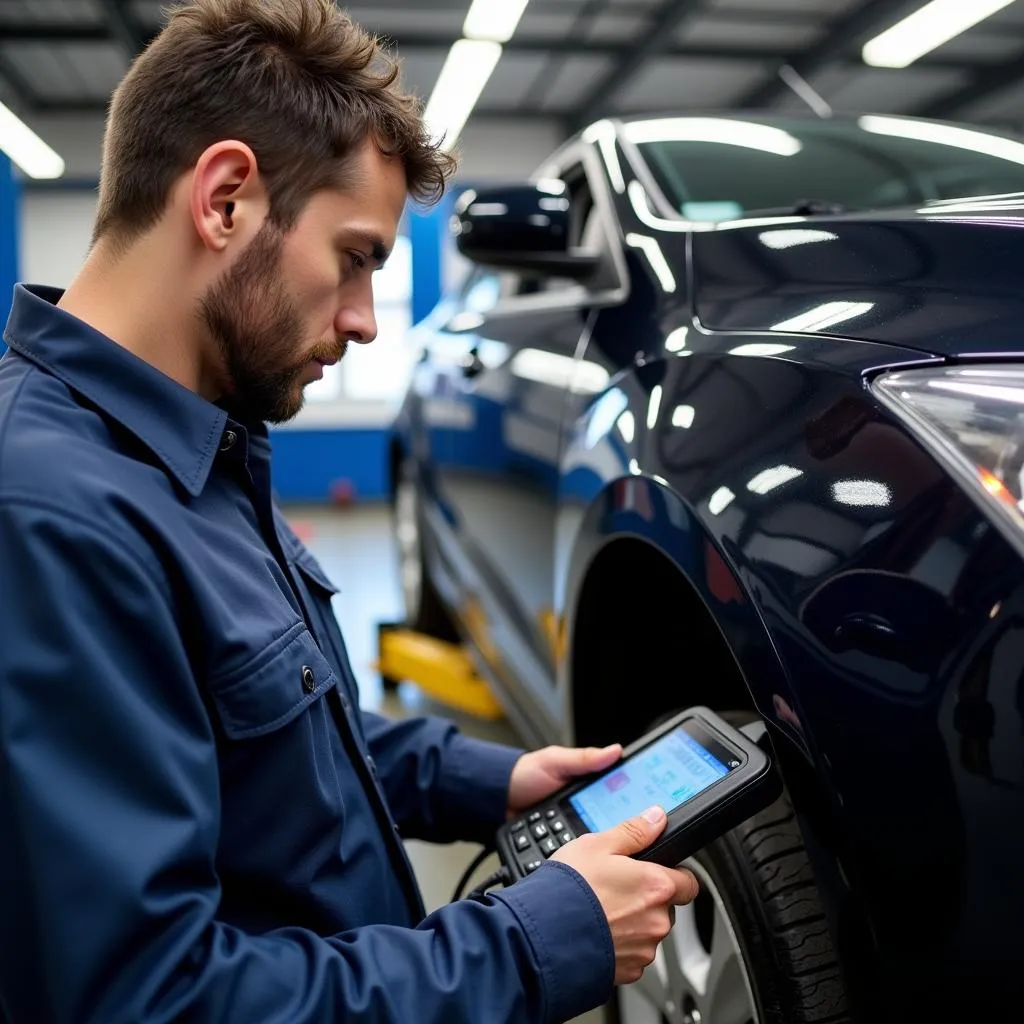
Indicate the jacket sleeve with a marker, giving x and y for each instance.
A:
(441, 786)
(109, 802)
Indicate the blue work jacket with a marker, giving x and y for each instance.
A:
(197, 821)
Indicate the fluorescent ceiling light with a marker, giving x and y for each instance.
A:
(465, 73)
(945, 135)
(26, 149)
(726, 131)
(826, 315)
(926, 30)
(493, 19)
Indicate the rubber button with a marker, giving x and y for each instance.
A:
(308, 679)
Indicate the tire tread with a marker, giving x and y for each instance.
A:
(807, 967)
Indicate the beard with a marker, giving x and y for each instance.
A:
(258, 331)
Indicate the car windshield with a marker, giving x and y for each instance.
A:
(713, 169)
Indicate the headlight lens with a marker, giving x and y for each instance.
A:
(972, 417)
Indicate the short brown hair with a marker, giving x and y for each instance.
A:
(296, 80)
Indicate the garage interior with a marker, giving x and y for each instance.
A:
(558, 66)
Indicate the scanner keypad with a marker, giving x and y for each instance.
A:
(537, 836)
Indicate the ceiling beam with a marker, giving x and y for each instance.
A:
(19, 84)
(659, 38)
(99, 107)
(846, 32)
(984, 83)
(421, 41)
(562, 47)
(123, 27)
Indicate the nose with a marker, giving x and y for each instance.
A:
(355, 319)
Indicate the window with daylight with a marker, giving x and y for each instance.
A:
(378, 372)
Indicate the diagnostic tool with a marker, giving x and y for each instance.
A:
(706, 774)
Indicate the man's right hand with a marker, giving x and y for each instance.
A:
(637, 897)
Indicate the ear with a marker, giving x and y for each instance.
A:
(226, 195)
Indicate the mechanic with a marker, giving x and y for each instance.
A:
(199, 822)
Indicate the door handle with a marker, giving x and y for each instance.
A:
(473, 366)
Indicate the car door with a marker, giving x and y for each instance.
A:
(500, 474)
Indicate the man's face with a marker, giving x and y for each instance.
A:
(290, 303)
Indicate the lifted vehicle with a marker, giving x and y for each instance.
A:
(729, 413)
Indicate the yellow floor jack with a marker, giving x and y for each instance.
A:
(443, 671)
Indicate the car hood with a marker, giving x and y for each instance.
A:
(947, 279)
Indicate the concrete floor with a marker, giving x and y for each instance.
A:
(356, 550)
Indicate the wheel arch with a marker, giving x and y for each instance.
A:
(646, 587)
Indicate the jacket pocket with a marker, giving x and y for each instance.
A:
(273, 688)
(313, 573)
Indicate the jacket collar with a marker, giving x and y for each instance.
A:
(182, 429)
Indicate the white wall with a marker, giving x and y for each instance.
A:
(55, 232)
(504, 150)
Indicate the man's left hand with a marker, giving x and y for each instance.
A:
(540, 773)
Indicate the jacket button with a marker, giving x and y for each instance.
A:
(227, 441)
(308, 679)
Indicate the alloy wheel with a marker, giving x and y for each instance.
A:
(699, 976)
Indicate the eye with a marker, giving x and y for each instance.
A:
(358, 260)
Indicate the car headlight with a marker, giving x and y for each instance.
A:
(972, 417)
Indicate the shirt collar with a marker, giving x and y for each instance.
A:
(181, 428)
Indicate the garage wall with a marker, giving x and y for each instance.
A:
(55, 230)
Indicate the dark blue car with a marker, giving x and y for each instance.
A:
(730, 411)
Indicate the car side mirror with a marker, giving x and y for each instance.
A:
(522, 227)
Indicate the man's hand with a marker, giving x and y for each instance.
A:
(542, 772)
(638, 898)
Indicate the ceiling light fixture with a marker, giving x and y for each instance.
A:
(465, 73)
(495, 20)
(469, 65)
(927, 29)
(26, 149)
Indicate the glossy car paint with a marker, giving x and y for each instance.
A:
(874, 611)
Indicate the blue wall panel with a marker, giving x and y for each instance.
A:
(10, 214)
(426, 234)
(309, 465)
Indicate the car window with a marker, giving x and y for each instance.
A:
(721, 169)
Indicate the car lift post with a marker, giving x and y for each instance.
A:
(442, 670)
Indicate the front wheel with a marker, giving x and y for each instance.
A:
(754, 947)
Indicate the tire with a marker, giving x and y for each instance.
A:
(424, 611)
(758, 925)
